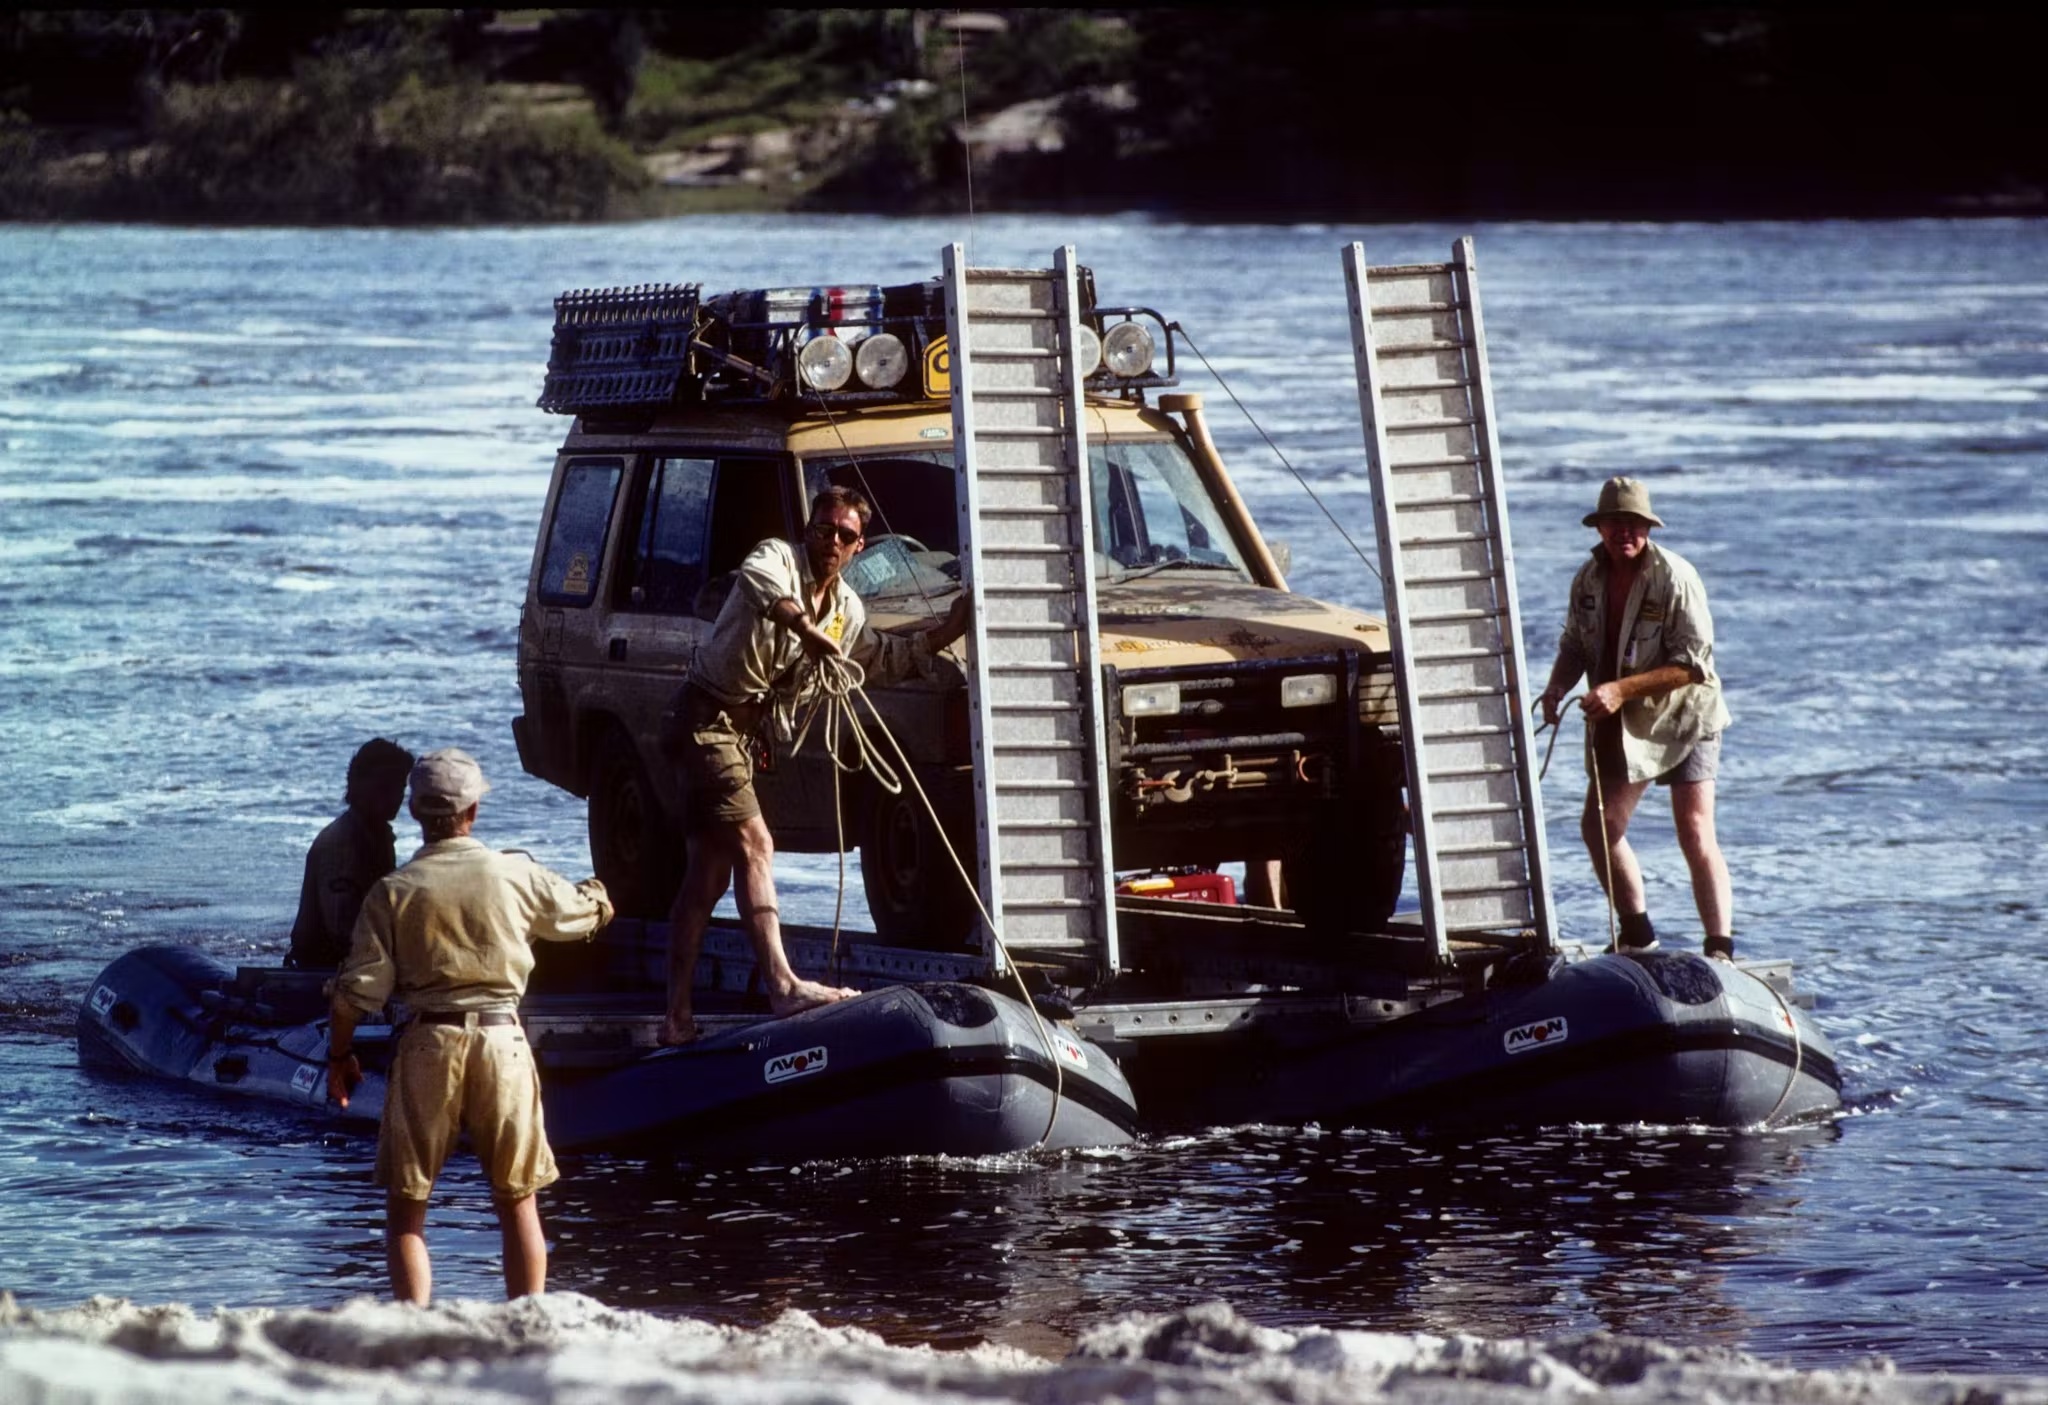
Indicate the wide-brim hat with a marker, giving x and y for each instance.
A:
(1623, 497)
(447, 782)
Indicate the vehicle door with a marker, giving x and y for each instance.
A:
(561, 653)
(651, 629)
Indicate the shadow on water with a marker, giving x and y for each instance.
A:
(1629, 1230)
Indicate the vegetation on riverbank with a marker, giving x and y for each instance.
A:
(313, 115)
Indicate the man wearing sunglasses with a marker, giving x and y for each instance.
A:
(788, 605)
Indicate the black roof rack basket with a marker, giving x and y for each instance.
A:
(618, 348)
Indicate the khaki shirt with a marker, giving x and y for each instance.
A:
(351, 854)
(748, 657)
(1664, 622)
(454, 928)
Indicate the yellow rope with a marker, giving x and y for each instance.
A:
(838, 680)
(1599, 800)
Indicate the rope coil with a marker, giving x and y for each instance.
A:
(833, 681)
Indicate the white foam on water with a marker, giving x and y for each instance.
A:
(271, 337)
(1905, 389)
(564, 1347)
(483, 475)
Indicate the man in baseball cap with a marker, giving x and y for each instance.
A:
(447, 782)
(1638, 631)
(450, 936)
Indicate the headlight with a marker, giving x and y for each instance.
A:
(1087, 351)
(881, 362)
(1308, 690)
(825, 363)
(1151, 699)
(1127, 349)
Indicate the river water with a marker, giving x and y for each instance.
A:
(267, 493)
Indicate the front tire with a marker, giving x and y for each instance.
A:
(633, 844)
(915, 895)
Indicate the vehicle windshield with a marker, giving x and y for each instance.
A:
(1152, 514)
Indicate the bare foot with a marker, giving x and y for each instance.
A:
(675, 1032)
(807, 995)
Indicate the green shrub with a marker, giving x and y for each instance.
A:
(330, 147)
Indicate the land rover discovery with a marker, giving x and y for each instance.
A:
(1244, 722)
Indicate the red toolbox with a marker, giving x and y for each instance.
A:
(1183, 885)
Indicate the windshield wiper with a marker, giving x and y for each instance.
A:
(1186, 563)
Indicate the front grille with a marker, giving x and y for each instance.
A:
(1232, 738)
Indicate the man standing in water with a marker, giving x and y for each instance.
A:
(451, 936)
(1637, 629)
(787, 605)
(353, 852)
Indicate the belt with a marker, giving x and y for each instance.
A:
(484, 1018)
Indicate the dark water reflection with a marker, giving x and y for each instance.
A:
(1630, 1231)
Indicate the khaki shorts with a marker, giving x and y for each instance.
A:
(1702, 763)
(448, 1079)
(715, 752)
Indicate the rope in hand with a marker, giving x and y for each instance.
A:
(1599, 802)
(837, 681)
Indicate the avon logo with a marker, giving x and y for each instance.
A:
(784, 1067)
(1543, 1033)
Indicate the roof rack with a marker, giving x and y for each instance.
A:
(660, 344)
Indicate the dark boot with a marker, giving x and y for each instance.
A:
(1637, 935)
(1719, 948)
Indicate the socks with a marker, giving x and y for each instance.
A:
(1720, 946)
(1636, 932)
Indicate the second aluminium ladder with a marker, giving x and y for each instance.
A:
(1425, 395)
(1027, 552)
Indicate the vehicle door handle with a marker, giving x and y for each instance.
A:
(617, 651)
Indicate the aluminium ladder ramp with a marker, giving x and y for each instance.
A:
(1027, 552)
(1424, 392)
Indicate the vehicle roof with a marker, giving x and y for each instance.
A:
(775, 429)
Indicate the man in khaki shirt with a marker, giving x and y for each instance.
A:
(787, 604)
(1638, 631)
(450, 936)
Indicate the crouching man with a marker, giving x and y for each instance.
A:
(450, 936)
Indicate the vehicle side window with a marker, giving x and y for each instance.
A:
(747, 510)
(667, 564)
(583, 514)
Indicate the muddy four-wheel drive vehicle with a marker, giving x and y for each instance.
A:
(1244, 722)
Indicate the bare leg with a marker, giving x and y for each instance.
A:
(1264, 885)
(1692, 813)
(787, 991)
(405, 1249)
(1621, 800)
(526, 1248)
(704, 883)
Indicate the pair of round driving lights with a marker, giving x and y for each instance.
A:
(826, 363)
(1126, 350)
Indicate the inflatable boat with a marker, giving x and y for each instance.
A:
(940, 1068)
(1663, 1038)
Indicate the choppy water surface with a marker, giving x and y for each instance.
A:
(264, 494)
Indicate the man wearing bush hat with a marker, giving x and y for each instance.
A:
(450, 937)
(1638, 631)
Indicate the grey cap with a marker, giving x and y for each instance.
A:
(447, 782)
(1623, 497)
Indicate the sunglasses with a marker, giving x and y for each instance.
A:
(825, 531)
